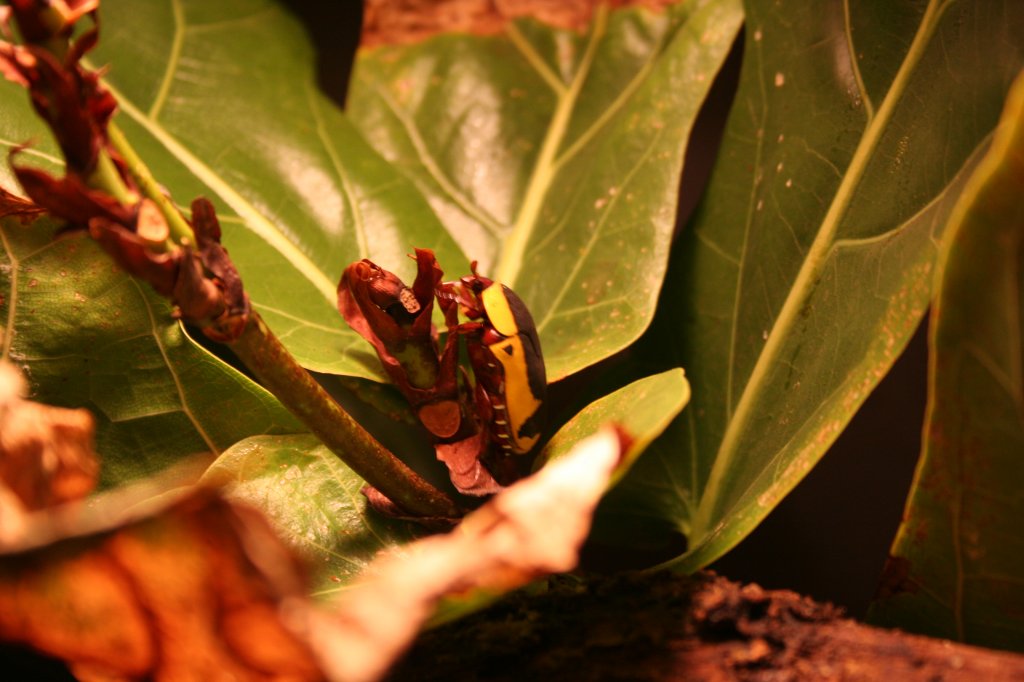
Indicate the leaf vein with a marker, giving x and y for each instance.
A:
(596, 232)
(869, 107)
(177, 40)
(339, 170)
(471, 209)
(12, 303)
(810, 268)
(610, 111)
(543, 170)
(254, 220)
(172, 370)
(533, 59)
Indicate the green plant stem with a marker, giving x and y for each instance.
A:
(106, 178)
(181, 231)
(278, 371)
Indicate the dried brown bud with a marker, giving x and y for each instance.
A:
(41, 20)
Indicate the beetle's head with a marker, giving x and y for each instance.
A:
(475, 282)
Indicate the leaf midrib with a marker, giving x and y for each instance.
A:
(809, 271)
(544, 169)
(254, 220)
(177, 41)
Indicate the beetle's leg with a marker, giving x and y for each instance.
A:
(467, 328)
(461, 294)
(484, 408)
(494, 416)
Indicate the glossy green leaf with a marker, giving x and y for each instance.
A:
(87, 335)
(643, 409)
(314, 501)
(19, 125)
(552, 157)
(958, 559)
(220, 100)
(559, 152)
(809, 262)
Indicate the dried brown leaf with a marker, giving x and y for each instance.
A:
(396, 320)
(531, 529)
(191, 592)
(70, 198)
(397, 22)
(13, 205)
(46, 453)
(465, 468)
(41, 21)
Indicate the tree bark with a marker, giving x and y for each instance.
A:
(664, 627)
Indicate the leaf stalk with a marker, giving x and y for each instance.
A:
(279, 372)
(181, 231)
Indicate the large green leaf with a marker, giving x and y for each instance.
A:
(554, 157)
(220, 99)
(560, 152)
(314, 501)
(809, 262)
(18, 125)
(643, 409)
(958, 559)
(88, 335)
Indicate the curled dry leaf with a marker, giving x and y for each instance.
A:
(396, 320)
(41, 21)
(70, 198)
(46, 453)
(13, 205)
(70, 98)
(200, 279)
(189, 591)
(531, 529)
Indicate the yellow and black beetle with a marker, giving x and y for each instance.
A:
(505, 355)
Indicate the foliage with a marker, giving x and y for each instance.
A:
(958, 559)
(810, 260)
(551, 157)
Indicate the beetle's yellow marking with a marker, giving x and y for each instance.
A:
(498, 311)
(519, 400)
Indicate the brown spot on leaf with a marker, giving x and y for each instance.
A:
(895, 578)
